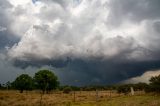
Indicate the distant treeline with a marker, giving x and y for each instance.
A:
(120, 88)
(47, 81)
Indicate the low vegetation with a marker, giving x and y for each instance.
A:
(45, 81)
(83, 98)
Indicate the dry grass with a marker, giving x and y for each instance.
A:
(84, 98)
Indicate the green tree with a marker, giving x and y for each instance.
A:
(46, 80)
(23, 82)
(155, 84)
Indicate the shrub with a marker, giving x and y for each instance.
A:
(67, 90)
(124, 89)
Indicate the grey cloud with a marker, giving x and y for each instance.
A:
(2, 28)
(5, 4)
(135, 10)
(63, 3)
(156, 26)
(4, 12)
(52, 12)
(145, 77)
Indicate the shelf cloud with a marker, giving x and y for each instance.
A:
(93, 41)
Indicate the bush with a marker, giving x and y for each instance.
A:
(67, 90)
(123, 89)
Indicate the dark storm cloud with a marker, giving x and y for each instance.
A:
(109, 71)
(78, 42)
(95, 71)
(7, 39)
(99, 70)
(39, 63)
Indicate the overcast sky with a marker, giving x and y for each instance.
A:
(92, 41)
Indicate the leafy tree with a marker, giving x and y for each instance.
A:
(155, 84)
(23, 82)
(46, 80)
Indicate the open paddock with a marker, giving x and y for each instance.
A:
(79, 98)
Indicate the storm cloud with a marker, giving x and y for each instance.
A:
(92, 41)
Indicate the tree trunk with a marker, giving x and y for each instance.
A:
(21, 91)
(43, 91)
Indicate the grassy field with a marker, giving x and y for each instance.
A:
(84, 98)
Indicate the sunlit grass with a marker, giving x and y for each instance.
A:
(84, 98)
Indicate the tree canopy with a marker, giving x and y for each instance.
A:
(46, 80)
(23, 82)
(155, 84)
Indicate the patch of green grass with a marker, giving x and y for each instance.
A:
(142, 100)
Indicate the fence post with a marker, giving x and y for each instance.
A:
(96, 95)
(132, 91)
(74, 96)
